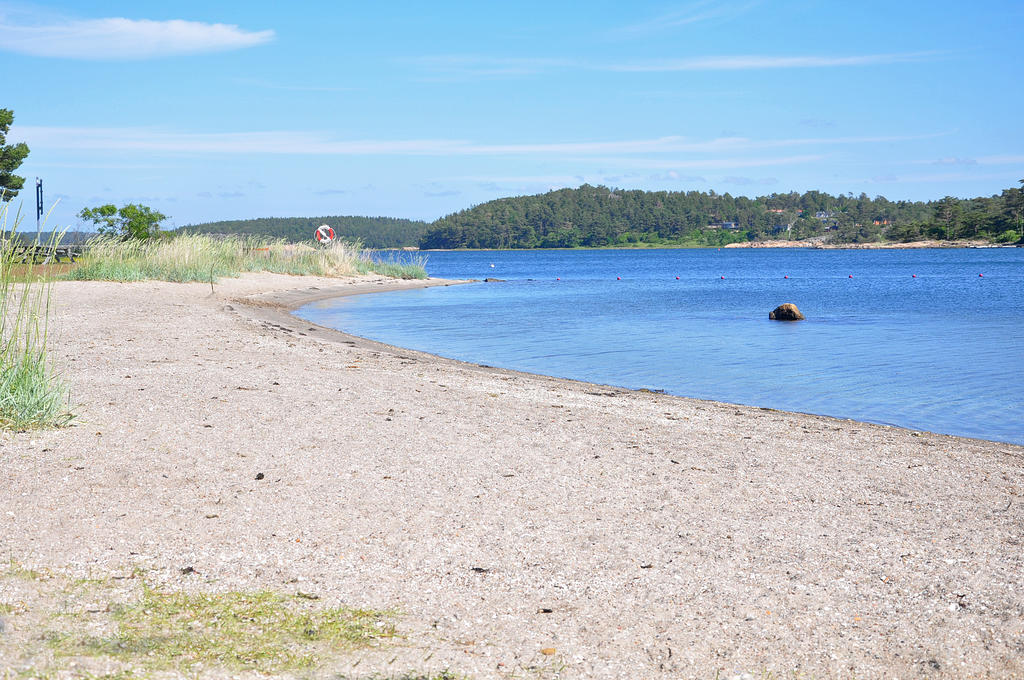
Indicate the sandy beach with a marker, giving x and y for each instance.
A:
(521, 526)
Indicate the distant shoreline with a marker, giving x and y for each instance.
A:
(887, 245)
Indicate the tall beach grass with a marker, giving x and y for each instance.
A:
(31, 392)
(199, 257)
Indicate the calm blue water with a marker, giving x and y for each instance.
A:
(943, 351)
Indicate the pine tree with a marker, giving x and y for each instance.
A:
(11, 157)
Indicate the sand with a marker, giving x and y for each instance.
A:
(625, 534)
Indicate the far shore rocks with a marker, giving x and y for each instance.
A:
(489, 280)
(786, 312)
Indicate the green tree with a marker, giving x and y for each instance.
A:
(11, 157)
(131, 221)
(948, 213)
(1014, 205)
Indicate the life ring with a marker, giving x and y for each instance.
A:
(324, 234)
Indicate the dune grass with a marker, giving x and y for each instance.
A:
(198, 257)
(31, 393)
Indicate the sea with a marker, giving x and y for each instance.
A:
(927, 339)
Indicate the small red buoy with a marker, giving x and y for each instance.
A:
(981, 275)
(914, 275)
(785, 277)
(677, 278)
(558, 279)
(851, 276)
(723, 277)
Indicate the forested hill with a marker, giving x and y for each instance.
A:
(599, 216)
(372, 232)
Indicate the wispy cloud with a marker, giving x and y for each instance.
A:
(762, 62)
(1005, 159)
(458, 67)
(953, 161)
(713, 163)
(816, 123)
(693, 13)
(520, 179)
(1002, 159)
(950, 177)
(316, 143)
(120, 38)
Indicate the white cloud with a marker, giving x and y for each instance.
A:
(1001, 160)
(761, 62)
(119, 38)
(936, 177)
(711, 163)
(467, 66)
(951, 160)
(315, 143)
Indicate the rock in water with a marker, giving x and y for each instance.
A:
(786, 312)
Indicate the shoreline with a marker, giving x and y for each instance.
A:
(505, 514)
(810, 245)
(886, 245)
(279, 306)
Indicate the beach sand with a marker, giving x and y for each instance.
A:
(625, 534)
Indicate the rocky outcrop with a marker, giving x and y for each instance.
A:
(786, 312)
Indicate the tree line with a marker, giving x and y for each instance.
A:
(599, 216)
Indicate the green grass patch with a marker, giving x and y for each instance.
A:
(31, 393)
(261, 631)
(17, 571)
(443, 675)
(197, 257)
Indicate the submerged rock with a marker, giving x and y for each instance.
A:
(786, 312)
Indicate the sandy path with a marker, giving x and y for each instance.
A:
(639, 535)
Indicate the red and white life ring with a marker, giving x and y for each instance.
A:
(324, 234)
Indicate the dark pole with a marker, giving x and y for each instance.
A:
(39, 206)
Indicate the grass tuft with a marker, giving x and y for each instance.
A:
(262, 631)
(442, 675)
(31, 393)
(202, 258)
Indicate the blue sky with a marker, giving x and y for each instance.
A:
(233, 110)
